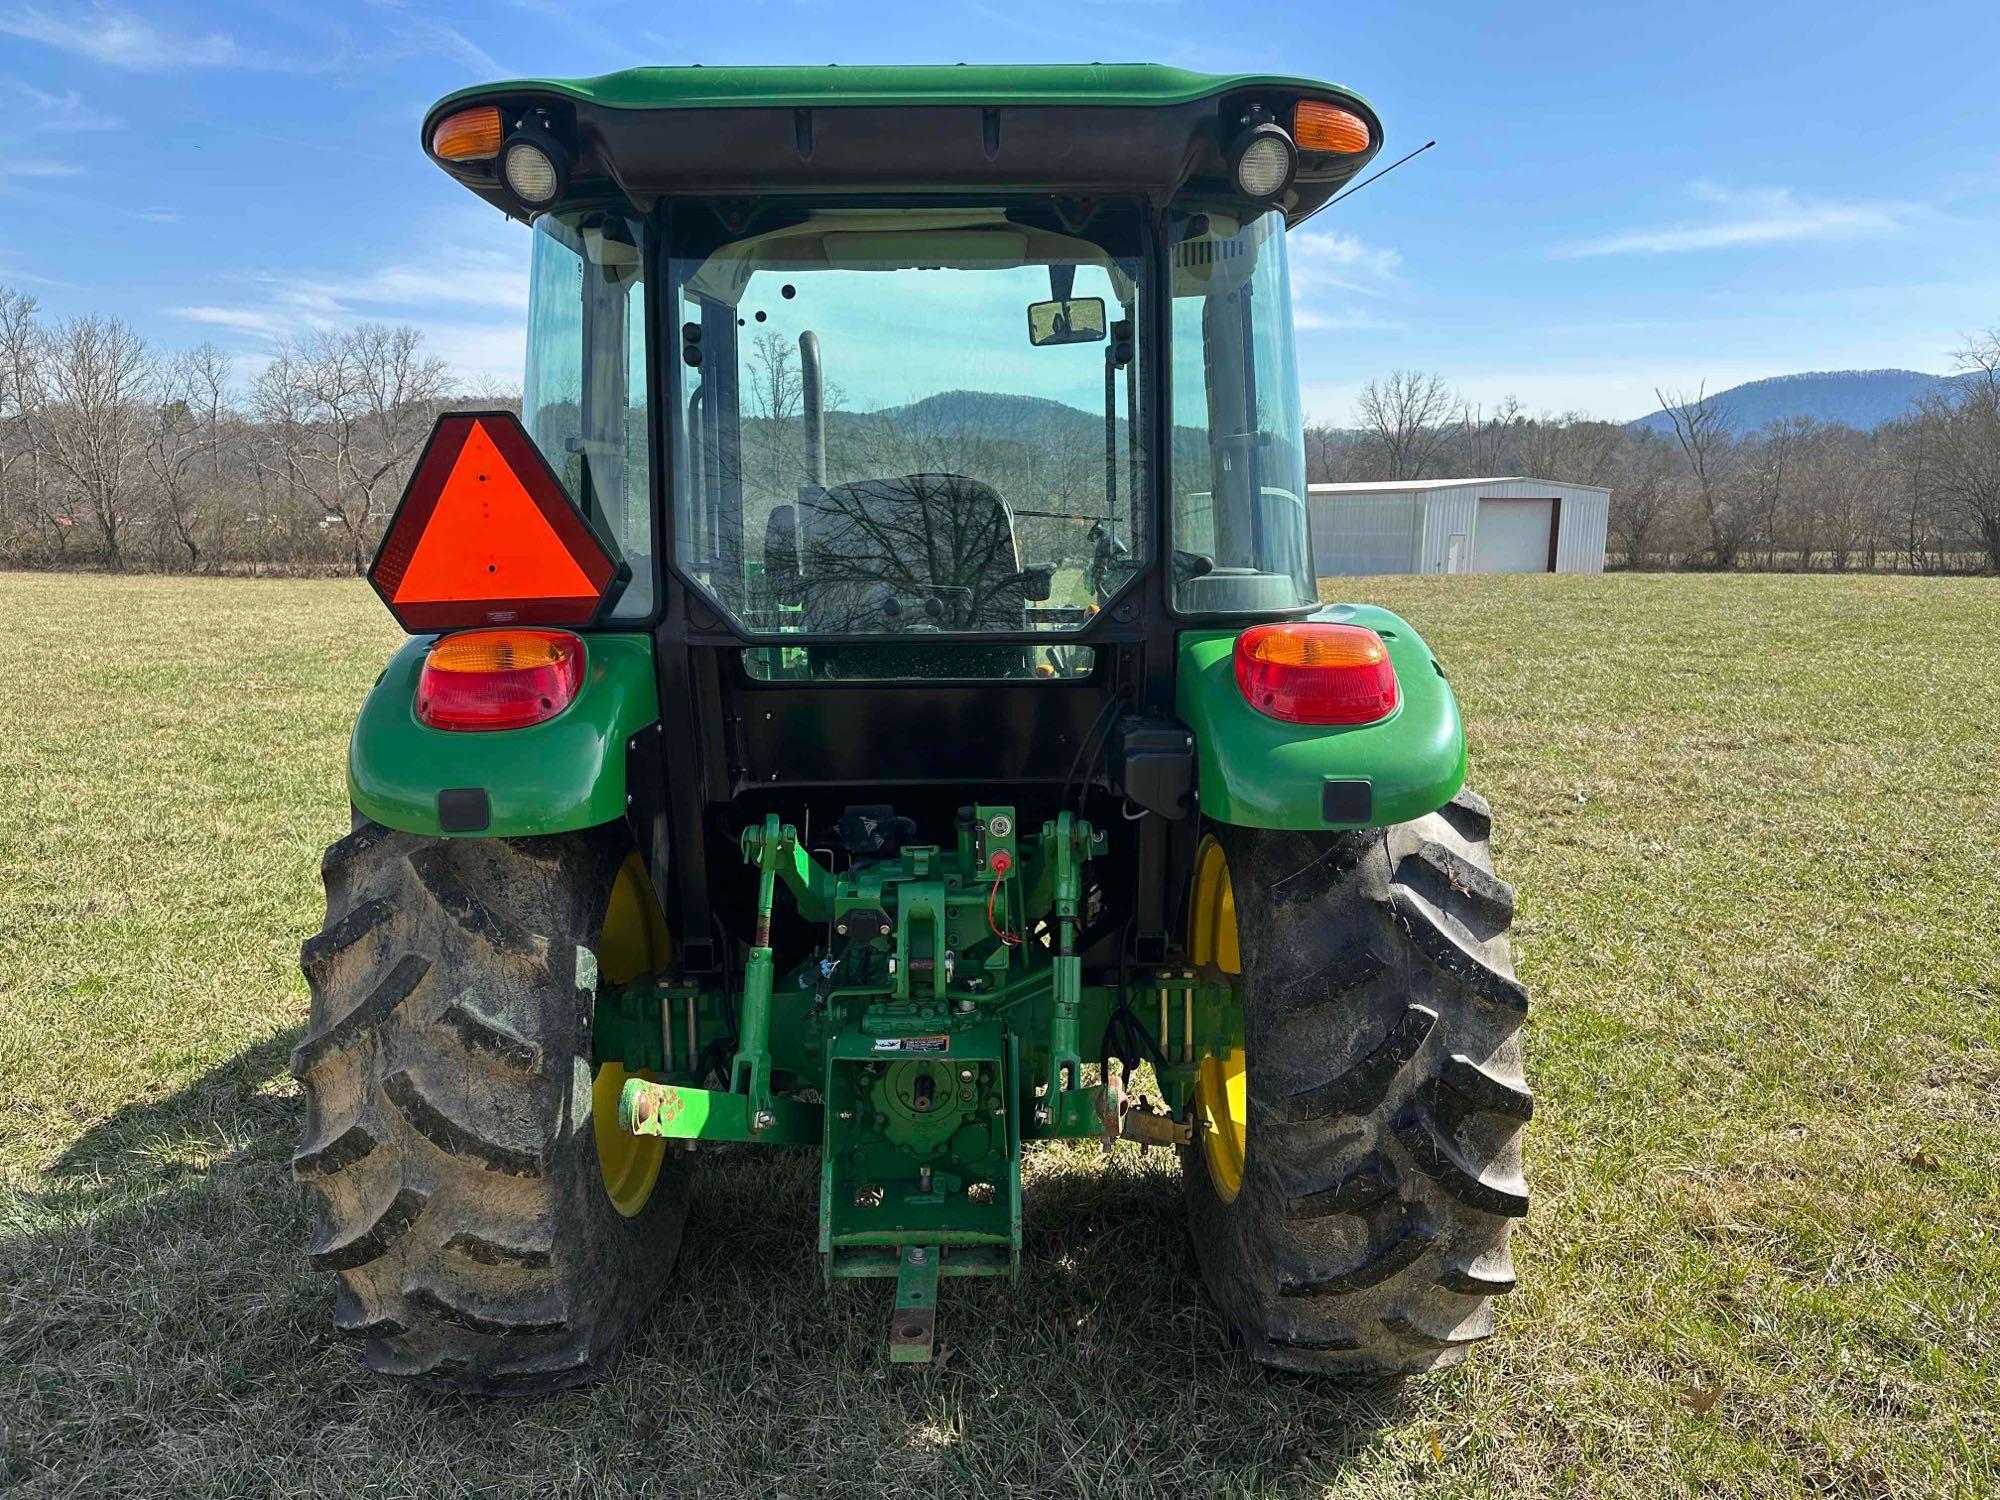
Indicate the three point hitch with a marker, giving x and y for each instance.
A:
(938, 1021)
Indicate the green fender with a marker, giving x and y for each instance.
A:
(1260, 772)
(564, 774)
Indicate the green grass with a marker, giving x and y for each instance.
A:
(1754, 822)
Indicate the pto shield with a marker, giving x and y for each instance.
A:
(485, 534)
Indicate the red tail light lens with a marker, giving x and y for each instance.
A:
(1313, 673)
(499, 679)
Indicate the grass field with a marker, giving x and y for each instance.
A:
(1754, 823)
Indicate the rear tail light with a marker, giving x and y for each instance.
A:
(535, 164)
(1314, 673)
(532, 172)
(499, 679)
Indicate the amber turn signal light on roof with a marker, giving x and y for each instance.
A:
(499, 679)
(469, 135)
(486, 535)
(1326, 127)
(1309, 672)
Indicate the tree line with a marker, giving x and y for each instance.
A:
(121, 456)
(1919, 494)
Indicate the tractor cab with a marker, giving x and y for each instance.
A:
(875, 696)
(982, 391)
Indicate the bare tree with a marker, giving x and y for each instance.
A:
(352, 409)
(1767, 476)
(1643, 493)
(1409, 419)
(96, 371)
(774, 397)
(1573, 447)
(1326, 450)
(1834, 505)
(1701, 427)
(1913, 529)
(183, 447)
(20, 406)
(1958, 438)
(1485, 444)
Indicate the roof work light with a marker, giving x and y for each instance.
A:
(1262, 159)
(534, 164)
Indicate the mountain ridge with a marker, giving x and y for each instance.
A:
(1863, 399)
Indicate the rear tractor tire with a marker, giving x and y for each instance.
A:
(1357, 1168)
(488, 1226)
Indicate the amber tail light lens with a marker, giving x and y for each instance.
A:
(499, 679)
(1326, 127)
(469, 135)
(1314, 673)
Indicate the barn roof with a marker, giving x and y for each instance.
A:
(1404, 486)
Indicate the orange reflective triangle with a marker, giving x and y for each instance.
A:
(487, 540)
(486, 535)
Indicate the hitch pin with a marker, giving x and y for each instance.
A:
(1187, 1022)
(1163, 1020)
(692, 1064)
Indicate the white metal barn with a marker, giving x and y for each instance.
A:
(1458, 526)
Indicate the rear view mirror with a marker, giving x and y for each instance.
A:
(1070, 320)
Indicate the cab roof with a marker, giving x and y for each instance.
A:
(831, 85)
(1073, 129)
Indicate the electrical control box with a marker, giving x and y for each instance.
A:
(993, 834)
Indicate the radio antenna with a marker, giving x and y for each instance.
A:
(1383, 173)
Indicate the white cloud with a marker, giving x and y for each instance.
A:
(471, 275)
(459, 263)
(426, 34)
(1755, 216)
(479, 354)
(13, 271)
(66, 111)
(15, 168)
(1333, 275)
(120, 39)
(261, 323)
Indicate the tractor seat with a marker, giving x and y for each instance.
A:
(912, 556)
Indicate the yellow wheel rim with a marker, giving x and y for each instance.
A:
(634, 942)
(1221, 1090)
(1221, 1096)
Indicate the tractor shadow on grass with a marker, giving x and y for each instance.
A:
(252, 1091)
(165, 1336)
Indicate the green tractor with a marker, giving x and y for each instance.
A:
(875, 696)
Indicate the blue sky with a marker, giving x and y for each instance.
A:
(1622, 195)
